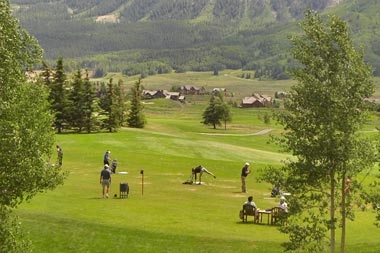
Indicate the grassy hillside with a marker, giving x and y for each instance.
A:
(229, 79)
(162, 214)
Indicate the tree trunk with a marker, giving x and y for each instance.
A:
(343, 208)
(332, 211)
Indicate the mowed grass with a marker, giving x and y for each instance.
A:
(161, 214)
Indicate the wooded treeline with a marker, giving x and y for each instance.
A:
(83, 106)
(184, 35)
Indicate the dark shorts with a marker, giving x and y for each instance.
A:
(106, 182)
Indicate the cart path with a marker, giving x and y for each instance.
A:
(265, 131)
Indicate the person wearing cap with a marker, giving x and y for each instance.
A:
(107, 158)
(283, 204)
(105, 180)
(244, 173)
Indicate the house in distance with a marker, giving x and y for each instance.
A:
(256, 100)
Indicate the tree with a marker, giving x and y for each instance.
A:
(46, 74)
(136, 118)
(81, 98)
(226, 115)
(323, 113)
(76, 97)
(216, 111)
(88, 105)
(11, 234)
(119, 106)
(58, 95)
(108, 103)
(26, 138)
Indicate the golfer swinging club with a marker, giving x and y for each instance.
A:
(200, 169)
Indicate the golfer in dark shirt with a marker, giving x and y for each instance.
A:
(244, 173)
(105, 180)
(199, 170)
(60, 155)
(106, 158)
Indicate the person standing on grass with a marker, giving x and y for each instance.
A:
(113, 166)
(105, 180)
(60, 155)
(107, 158)
(244, 173)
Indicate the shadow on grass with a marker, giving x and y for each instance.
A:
(101, 198)
(74, 236)
(252, 223)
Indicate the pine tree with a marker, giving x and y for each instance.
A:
(46, 74)
(88, 105)
(136, 117)
(216, 111)
(58, 95)
(108, 103)
(76, 111)
(226, 115)
(120, 106)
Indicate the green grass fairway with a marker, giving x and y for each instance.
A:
(164, 215)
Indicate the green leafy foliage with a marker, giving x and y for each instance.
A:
(216, 112)
(12, 238)
(26, 136)
(324, 111)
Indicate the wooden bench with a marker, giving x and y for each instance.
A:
(249, 210)
(278, 216)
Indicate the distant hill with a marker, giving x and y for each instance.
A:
(158, 36)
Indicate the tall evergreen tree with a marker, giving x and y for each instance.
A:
(88, 105)
(324, 111)
(26, 138)
(58, 95)
(76, 112)
(107, 103)
(216, 111)
(46, 74)
(136, 117)
(120, 107)
(226, 115)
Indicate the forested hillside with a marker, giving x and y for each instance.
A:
(157, 36)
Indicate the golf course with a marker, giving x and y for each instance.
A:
(161, 214)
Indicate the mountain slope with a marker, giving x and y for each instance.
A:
(180, 34)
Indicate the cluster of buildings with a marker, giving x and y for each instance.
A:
(256, 100)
